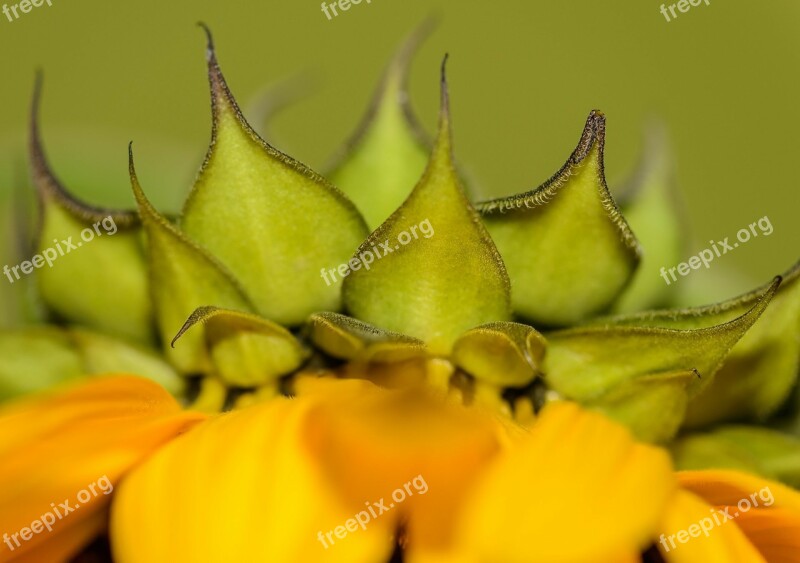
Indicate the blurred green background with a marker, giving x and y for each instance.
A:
(523, 75)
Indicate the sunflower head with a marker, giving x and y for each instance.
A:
(389, 268)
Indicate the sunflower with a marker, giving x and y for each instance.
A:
(306, 372)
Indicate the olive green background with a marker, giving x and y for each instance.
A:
(523, 75)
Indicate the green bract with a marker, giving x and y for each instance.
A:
(568, 249)
(183, 277)
(76, 288)
(421, 289)
(387, 153)
(271, 270)
(269, 219)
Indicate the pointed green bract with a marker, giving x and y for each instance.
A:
(652, 406)
(761, 369)
(503, 354)
(383, 160)
(183, 277)
(247, 350)
(586, 362)
(438, 287)
(349, 339)
(568, 250)
(83, 251)
(758, 450)
(274, 223)
(652, 211)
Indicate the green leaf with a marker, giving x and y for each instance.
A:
(503, 354)
(382, 161)
(82, 252)
(434, 287)
(36, 359)
(349, 339)
(652, 406)
(247, 350)
(183, 277)
(568, 250)
(103, 355)
(652, 210)
(762, 451)
(586, 362)
(273, 222)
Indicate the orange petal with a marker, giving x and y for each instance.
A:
(775, 532)
(73, 448)
(767, 512)
(692, 531)
(728, 487)
(577, 489)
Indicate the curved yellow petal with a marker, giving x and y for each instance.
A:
(683, 537)
(274, 482)
(63, 454)
(727, 487)
(767, 512)
(379, 442)
(241, 488)
(62, 543)
(775, 533)
(578, 489)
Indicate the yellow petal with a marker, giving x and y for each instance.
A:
(240, 488)
(682, 538)
(577, 489)
(767, 512)
(62, 543)
(263, 483)
(55, 447)
(728, 487)
(377, 442)
(775, 533)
